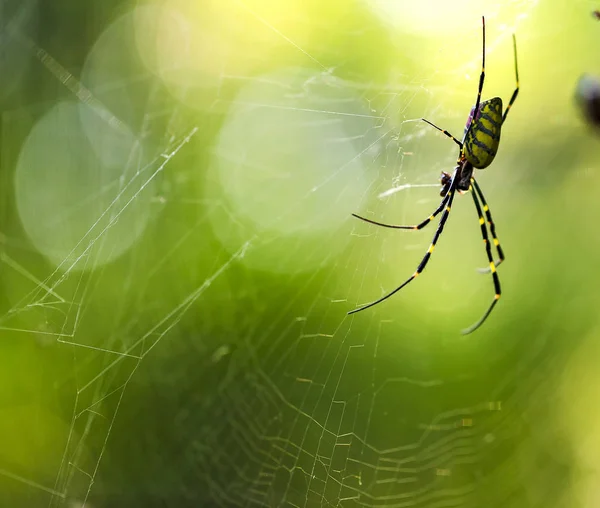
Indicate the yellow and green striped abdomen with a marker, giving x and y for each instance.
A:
(481, 144)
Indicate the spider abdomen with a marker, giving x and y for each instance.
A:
(481, 144)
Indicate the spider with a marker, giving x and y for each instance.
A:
(478, 148)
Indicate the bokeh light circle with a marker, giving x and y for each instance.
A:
(72, 203)
(289, 168)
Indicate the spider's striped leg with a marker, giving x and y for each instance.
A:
(516, 92)
(425, 259)
(481, 80)
(488, 251)
(492, 226)
(443, 131)
(421, 225)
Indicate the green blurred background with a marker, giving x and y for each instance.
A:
(177, 256)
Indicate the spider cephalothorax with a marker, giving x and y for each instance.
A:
(477, 151)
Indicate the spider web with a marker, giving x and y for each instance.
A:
(179, 258)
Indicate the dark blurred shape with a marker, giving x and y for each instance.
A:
(596, 13)
(587, 94)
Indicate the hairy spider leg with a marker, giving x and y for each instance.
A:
(488, 251)
(421, 225)
(516, 92)
(427, 256)
(492, 226)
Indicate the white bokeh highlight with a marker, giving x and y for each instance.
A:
(73, 204)
(290, 165)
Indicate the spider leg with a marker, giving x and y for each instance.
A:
(421, 225)
(481, 80)
(516, 92)
(492, 226)
(444, 131)
(488, 251)
(425, 259)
